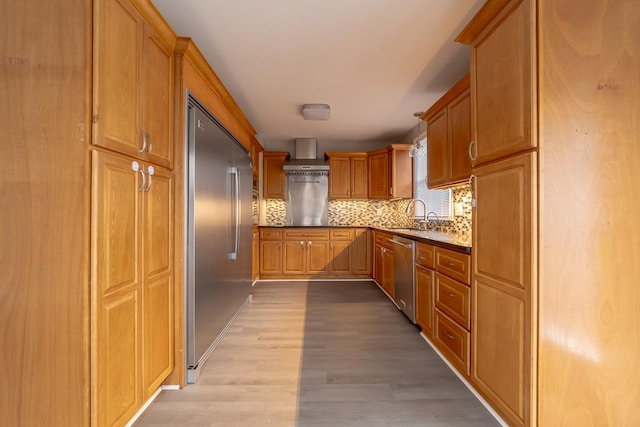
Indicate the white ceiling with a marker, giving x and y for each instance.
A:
(375, 62)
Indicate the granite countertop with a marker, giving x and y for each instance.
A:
(457, 242)
(453, 241)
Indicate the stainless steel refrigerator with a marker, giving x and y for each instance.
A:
(219, 219)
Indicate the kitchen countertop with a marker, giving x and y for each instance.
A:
(447, 240)
(456, 242)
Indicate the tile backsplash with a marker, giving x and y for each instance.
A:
(379, 213)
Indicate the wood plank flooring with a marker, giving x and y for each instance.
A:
(321, 354)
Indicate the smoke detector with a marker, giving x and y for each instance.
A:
(315, 111)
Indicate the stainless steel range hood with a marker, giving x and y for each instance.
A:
(305, 158)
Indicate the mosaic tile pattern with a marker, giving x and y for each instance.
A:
(380, 213)
(275, 212)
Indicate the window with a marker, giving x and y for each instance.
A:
(437, 201)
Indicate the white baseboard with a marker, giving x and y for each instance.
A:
(466, 383)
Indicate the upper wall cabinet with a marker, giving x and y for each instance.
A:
(504, 86)
(390, 172)
(274, 180)
(449, 137)
(347, 175)
(133, 82)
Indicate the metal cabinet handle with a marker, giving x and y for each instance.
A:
(150, 144)
(135, 166)
(473, 199)
(451, 294)
(471, 156)
(144, 142)
(150, 172)
(448, 335)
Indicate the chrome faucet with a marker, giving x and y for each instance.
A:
(424, 209)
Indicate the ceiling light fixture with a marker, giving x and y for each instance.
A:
(315, 111)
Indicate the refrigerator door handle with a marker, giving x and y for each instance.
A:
(235, 207)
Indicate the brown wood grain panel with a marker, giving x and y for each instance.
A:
(44, 200)
(589, 231)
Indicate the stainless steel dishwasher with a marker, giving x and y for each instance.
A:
(404, 292)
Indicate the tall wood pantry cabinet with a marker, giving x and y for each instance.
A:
(88, 207)
(555, 178)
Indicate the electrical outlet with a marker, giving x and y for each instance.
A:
(458, 209)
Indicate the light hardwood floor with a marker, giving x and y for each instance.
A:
(321, 354)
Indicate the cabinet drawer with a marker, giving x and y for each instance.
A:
(453, 264)
(270, 234)
(425, 254)
(453, 342)
(383, 239)
(341, 234)
(454, 298)
(306, 233)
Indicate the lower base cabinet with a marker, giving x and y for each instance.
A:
(131, 285)
(314, 252)
(425, 290)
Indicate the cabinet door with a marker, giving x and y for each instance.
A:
(255, 254)
(361, 252)
(460, 137)
(158, 279)
(274, 177)
(387, 271)
(339, 177)
(425, 299)
(502, 285)
(341, 257)
(116, 290)
(270, 257)
(504, 106)
(400, 171)
(118, 52)
(293, 257)
(378, 171)
(377, 264)
(158, 102)
(437, 150)
(317, 261)
(359, 177)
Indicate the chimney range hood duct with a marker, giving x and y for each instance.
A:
(305, 158)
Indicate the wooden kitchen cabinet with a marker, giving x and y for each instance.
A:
(449, 136)
(133, 82)
(270, 252)
(504, 76)
(383, 261)
(348, 175)
(350, 252)
(452, 307)
(390, 172)
(502, 284)
(305, 251)
(132, 305)
(425, 285)
(361, 253)
(255, 253)
(341, 250)
(378, 170)
(274, 178)
(425, 288)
